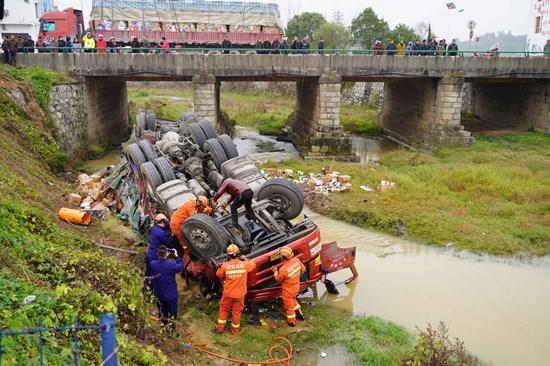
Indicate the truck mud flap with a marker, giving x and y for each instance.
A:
(334, 258)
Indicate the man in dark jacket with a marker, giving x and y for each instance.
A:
(165, 287)
(452, 50)
(226, 45)
(241, 194)
(135, 45)
(41, 45)
(112, 45)
(283, 47)
(28, 43)
(266, 46)
(321, 46)
(12, 47)
(275, 45)
(259, 46)
(391, 49)
(6, 50)
(61, 45)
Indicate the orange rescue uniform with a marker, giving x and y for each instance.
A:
(289, 276)
(185, 211)
(234, 274)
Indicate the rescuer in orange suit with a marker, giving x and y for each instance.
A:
(289, 277)
(234, 274)
(188, 209)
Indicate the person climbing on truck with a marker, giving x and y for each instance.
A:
(234, 275)
(241, 194)
(165, 288)
(289, 276)
(158, 236)
(188, 209)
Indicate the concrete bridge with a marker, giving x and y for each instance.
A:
(422, 99)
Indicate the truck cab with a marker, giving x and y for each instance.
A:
(55, 24)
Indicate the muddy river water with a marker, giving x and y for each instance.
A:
(499, 307)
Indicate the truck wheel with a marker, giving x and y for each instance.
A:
(197, 134)
(208, 129)
(140, 123)
(186, 116)
(150, 121)
(285, 195)
(215, 149)
(228, 146)
(165, 169)
(135, 155)
(151, 178)
(205, 236)
(148, 150)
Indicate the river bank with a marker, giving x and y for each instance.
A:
(492, 197)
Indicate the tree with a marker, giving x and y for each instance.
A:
(422, 29)
(367, 27)
(401, 32)
(305, 24)
(334, 34)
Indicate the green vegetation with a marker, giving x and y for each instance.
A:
(302, 25)
(492, 197)
(372, 340)
(266, 112)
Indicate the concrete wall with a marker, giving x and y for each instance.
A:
(206, 98)
(68, 110)
(107, 103)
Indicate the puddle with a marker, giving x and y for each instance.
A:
(111, 158)
(497, 306)
(327, 356)
(260, 147)
(369, 150)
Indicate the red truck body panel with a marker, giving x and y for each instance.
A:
(68, 22)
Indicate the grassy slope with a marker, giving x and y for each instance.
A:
(493, 197)
(264, 111)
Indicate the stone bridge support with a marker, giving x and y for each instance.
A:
(107, 111)
(315, 124)
(206, 98)
(523, 105)
(425, 112)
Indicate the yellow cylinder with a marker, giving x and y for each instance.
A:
(75, 216)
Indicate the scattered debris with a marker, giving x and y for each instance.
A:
(327, 182)
(386, 186)
(27, 300)
(367, 188)
(93, 194)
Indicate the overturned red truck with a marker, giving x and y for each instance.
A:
(173, 162)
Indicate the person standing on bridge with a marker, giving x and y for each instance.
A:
(12, 44)
(452, 50)
(401, 47)
(321, 46)
(391, 48)
(547, 49)
(289, 276)
(6, 50)
(88, 43)
(101, 45)
(241, 194)
(234, 275)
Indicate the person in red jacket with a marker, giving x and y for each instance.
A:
(234, 274)
(289, 277)
(101, 45)
(241, 194)
(379, 48)
(165, 45)
(185, 211)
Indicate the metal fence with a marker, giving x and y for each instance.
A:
(106, 327)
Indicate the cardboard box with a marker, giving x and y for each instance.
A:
(344, 179)
(84, 179)
(74, 199)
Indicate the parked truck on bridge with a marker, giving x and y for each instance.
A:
(175, 162)
(55, 24)
(191, 23)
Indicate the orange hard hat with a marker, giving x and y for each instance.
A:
(202, 200)
(286, 252)
(161, 217)
(232, 249)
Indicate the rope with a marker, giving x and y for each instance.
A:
(109, 357)
(285, 348)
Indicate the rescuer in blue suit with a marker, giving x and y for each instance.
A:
(164, 285)
(158, 236)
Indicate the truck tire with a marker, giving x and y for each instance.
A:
(165, 169)
(150, 121)
(148, 150)
(285, 195)
(186, 116)
(197, 134)
(140, 123)
(151, 178)
(215, 149)
(208, 129)
(228, 146)
(135, 155)
(205, 236)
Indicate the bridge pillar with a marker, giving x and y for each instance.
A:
(425, 113)
(107, 111)
(315, 124)
(206, 98)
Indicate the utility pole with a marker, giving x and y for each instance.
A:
(338, 17)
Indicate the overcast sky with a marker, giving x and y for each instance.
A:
(490, 15)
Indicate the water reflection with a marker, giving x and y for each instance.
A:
(370, 150)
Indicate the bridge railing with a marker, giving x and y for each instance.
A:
(362, 52)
